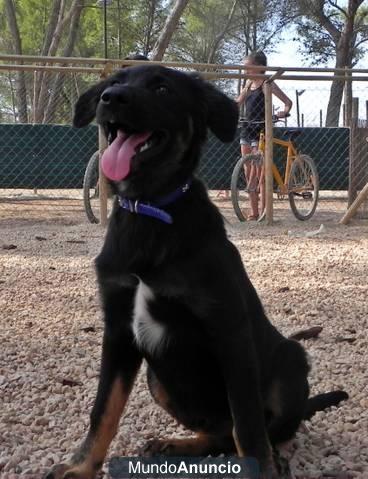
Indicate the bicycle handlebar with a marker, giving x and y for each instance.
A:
(275, 119)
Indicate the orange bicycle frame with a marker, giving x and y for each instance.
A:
(291, 154)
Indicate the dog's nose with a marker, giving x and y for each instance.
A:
(114, 95)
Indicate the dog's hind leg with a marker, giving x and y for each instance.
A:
(203, 444)
(288, 391)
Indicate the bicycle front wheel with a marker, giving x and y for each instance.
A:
(90, 187)
(91, 190)
(303, 187)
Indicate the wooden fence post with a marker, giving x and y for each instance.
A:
(354, 207)
(268, 153)
(355, 110)
(353, 153)
(103, 187)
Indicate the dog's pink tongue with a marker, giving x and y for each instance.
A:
(117, 158)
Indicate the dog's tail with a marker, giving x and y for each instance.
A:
(323, 401)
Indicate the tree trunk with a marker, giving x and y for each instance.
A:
(344, 55)
(21, 81)
(63, 20)
(58, 83)
(151, 20)
(247, 31)
(255, 27)
(168, 30)
(221, 35)
(56, 10)
(343, 60)
(334, 102)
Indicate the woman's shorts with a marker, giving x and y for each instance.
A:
(249, 135)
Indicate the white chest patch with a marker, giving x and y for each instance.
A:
(149, 334)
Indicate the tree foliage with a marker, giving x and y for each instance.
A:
(333, 30)
(206, 31)
(209, 31)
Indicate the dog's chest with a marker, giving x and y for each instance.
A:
(149, 334)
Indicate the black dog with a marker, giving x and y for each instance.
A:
(173, 287)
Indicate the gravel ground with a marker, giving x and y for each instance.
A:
(48, 295)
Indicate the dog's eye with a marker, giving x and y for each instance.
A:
(162, 90)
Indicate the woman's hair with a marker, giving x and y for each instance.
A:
(136, 56)
(258, 58)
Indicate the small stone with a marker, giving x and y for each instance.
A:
(9, 246)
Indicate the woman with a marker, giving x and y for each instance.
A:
(252, 97)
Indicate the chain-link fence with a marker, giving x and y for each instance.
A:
(43, 159)
(340, 151)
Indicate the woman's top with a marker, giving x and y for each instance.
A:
(255, 105)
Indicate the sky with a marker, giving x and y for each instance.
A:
(316, 95)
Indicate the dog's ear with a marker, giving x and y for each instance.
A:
(85, 108)
(222, 113)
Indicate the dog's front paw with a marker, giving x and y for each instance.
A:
(68, 471)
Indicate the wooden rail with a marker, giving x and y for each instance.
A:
(191, 66)
(56, 69)
(102, 66)
(207, 75)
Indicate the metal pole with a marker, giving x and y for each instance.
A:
(348, 98)
(240, 82)
(355, 111)
(105, 26)
(34, 104)
(320, 118)
(268, 154)
(345, 108)
(302, 120)
(119, 30)
(297, 108)
(102, 182)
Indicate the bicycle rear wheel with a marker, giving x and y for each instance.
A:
(239, 190)
(303, 187)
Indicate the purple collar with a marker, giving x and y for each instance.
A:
(154, 210)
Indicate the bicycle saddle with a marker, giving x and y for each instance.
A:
(292, 133)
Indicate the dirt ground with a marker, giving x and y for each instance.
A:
(49, 363)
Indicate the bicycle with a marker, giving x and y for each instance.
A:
(91, 189)
(300, 182)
